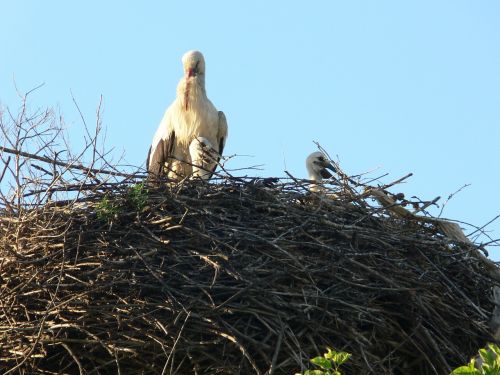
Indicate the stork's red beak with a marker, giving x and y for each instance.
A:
(191, 72)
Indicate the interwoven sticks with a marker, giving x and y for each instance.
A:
(104, 273)
(234, 277)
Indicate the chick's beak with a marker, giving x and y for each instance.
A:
(331, 167)
(324, 172)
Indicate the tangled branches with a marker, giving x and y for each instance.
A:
(100, 273)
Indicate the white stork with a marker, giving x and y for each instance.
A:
(317, 164)
(190, 115)
(204, 158)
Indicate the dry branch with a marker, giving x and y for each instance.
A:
(215, 277)
(239, 276)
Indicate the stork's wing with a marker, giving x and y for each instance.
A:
(159, 156)
(221, 136)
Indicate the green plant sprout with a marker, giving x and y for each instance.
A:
(138, 195)
(107, 209)
(487, 364)
(329, 363)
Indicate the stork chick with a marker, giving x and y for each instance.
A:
(204, 158)
(317, 165)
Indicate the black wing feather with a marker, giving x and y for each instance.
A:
(163, 152)
(221, 148)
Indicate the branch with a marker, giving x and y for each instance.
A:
(71, 165)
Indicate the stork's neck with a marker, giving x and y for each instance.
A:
(316, 177)
(313, 175)
(191, 90)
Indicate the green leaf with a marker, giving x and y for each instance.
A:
(315, 372)
(342, 357)
(494, 348)
(487, 356)
(322, 362)
(466, 370)
(330, 353)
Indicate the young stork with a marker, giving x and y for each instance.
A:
(190, 115)
(317, 164)
(204, 158)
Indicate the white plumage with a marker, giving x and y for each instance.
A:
(317, 164)
(204, 158)
(190, 115)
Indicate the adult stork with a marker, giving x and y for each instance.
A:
(191, 115)
(317, 165)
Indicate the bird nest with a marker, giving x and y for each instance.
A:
(235, 277)
(101, 273)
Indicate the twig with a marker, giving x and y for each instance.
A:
(449, 198)
(69, 165)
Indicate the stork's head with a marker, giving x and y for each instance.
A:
(317, 164)
(194, 64)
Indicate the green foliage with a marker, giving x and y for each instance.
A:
(107, 209)
(489, 364)
(329, 364)
(138, 195)
(110, 207)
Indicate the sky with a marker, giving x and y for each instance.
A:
(385, 86)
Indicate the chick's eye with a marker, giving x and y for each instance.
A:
(321, 158)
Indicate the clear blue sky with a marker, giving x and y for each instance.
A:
(402, 86)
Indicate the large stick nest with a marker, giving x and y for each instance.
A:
(234, 277)
(102, 275)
